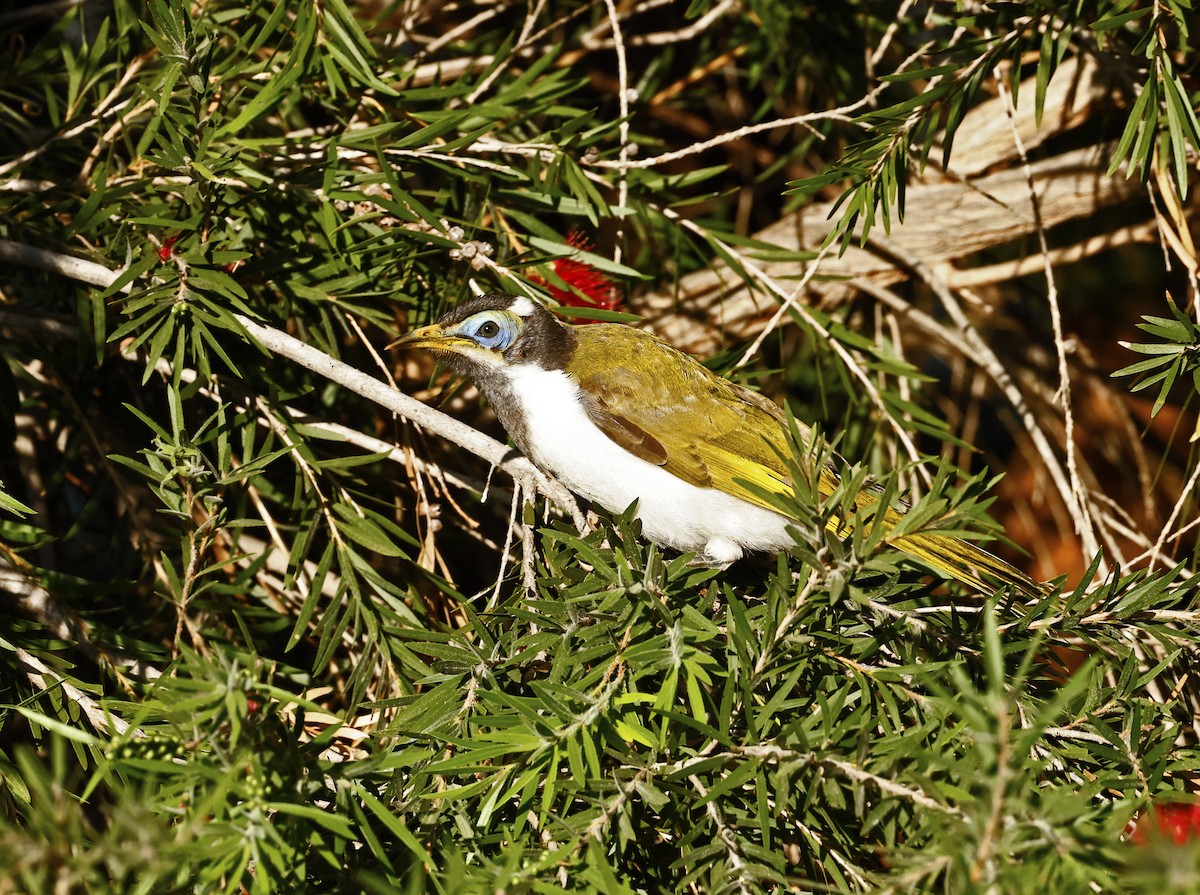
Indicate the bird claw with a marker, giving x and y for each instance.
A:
(701, 561)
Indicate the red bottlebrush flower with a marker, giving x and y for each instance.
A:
(167, 248)
(1179, 821)
(599, 290)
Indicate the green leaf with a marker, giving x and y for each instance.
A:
(66, 731)
(305, 32)
(10, 504)
(364, 531)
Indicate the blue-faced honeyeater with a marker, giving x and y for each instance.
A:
(617, 415)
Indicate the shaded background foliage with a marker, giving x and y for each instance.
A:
(262, 634)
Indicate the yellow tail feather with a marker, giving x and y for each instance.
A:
(959, 559)
(967, 563)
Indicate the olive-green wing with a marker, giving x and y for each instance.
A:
(662, 406)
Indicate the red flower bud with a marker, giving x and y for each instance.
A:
(600, 291)
(167, 248)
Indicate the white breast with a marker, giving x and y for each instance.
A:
(568, 445)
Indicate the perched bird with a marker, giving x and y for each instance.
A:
(616, 414)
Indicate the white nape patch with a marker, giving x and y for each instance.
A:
(565, 442)
(523, 306)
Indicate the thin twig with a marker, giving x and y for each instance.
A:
(44, 677)
(725, 835)
(26, 185)
(1085, 525)
(623, 128)
(888, 36)
(842, 113)
(1176, 512)
(524, 39)
(665, 38)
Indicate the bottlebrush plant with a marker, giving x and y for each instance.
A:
(279, 614)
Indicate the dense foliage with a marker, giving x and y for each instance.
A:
(261, 633)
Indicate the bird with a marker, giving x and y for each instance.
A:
(618, 415)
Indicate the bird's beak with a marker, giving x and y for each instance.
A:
(432, 337)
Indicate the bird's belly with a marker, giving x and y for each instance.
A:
(561, 439)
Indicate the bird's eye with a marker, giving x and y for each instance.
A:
(491, 330)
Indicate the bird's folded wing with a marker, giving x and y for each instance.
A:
(700, 427)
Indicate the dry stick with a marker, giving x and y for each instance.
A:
(334, 370)
(67, 265)
(1085, 525)
(1042, 391)
(623, 129)
(909, 481)
(1182, 617)
(1001, 271)
(529, 150)
(1176, 512)
(1117, 519)
(52, 325)
(534, 41)
(85, 172)
(26, 437)
(888, 36)
(494, 599)
(33, 598)
(592, 40)
(547, 152)
(26, 185)
(663, 38)
(427, 540)
(458, 31)
(1175, 230)
(281, 432)
(696, 75)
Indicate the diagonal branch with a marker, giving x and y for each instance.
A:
(278, 342)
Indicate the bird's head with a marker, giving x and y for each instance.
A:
(485, 335)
